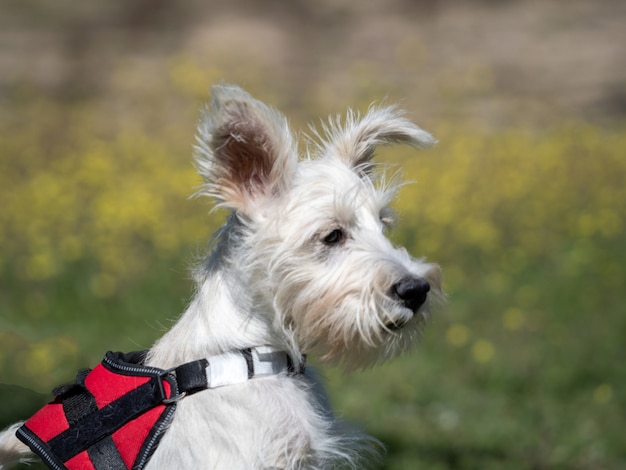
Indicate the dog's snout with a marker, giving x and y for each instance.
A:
(411, 291)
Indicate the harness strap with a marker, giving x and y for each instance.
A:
(232, 368)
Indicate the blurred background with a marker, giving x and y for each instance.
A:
(522, 202)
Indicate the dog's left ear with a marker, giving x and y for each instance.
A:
(245, 150)
(355, 140)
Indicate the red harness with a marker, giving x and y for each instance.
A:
(112, 417)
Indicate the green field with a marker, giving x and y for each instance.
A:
(523, 369)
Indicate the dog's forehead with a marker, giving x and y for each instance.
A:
(329, 184)
(330, 177)
(328, 169)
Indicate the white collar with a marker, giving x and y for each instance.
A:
(230, 368)
(239, 366)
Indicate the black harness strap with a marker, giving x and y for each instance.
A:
(83, 434)
(77, 405)
(104, 454)
(191, 377)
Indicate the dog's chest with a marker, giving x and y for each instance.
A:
(258, 424)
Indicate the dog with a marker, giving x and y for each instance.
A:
(302, 267)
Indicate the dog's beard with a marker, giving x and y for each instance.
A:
(346, 321)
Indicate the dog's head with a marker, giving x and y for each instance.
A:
(311, 247)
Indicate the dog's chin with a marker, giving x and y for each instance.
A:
(396, 325)
(404, 319)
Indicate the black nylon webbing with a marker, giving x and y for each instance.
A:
(105, 421)
(104, 454)
(191, 377)
(247, 355)
(78, 404)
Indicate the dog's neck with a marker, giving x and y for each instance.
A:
(214, 324)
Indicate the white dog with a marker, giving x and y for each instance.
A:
(301, 267)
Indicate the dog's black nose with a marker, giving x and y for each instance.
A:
(411, 291)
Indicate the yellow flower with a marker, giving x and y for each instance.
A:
(457, 335)
(483, 351)
(603, 393)
(513, 319)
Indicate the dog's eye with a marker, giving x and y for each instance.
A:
(335, 237)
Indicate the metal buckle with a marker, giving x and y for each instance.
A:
(160, 378)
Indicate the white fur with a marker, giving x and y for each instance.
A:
(275, 277)
(13, 451)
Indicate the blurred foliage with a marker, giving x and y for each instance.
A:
(524, 369)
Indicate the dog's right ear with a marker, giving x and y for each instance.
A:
(245, 153)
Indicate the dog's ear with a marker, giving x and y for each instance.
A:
(355, 140)
(245, 150)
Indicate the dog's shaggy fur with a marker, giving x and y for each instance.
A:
(302, 264)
